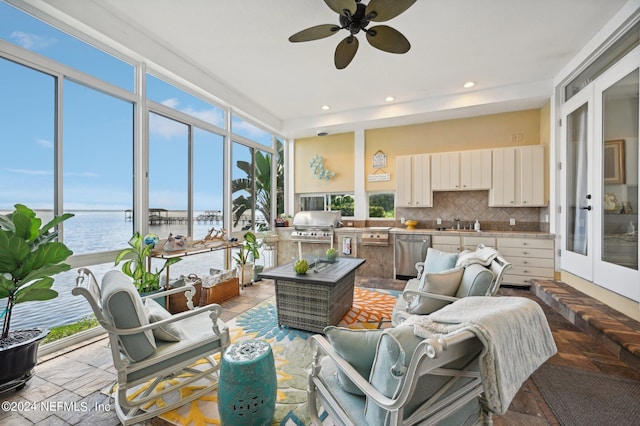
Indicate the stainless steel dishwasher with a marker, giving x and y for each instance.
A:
(409, 249)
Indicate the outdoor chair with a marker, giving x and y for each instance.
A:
(444, 278)
(154, 351)
(412, 380)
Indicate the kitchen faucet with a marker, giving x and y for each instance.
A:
(457, 221)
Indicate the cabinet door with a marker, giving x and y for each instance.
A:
(503, 189)
(445, 171)
(421, 186)
(475, 169)
(531, 174)
(403, 181)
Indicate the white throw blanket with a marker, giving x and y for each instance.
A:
(515, 334)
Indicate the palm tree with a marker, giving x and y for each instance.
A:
(263, 186)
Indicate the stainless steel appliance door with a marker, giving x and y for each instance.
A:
(410, 249)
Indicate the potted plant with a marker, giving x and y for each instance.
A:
(137, 257)
(29, 257)
(247, 256)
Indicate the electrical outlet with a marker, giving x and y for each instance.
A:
(546, 218)
(512, 222)
(402, 220)
(439, 221)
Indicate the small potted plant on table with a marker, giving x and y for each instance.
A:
(247, 255)
(29, 257)
(137, 256)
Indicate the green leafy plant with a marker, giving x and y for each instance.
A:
(29, 257)
(249, 250)
(137, 256)
(332, 254)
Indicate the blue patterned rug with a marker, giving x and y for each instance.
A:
(371, 309)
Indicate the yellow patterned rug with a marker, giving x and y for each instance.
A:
(371, 309)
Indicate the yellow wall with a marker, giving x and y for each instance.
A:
(488, 131)
(528, 127)
(337, 152)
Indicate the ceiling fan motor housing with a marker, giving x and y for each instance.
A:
(356, 22)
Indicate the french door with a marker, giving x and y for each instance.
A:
(600, 180)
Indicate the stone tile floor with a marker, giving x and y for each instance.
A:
(77, 374)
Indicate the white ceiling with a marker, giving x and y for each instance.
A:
(238, 50)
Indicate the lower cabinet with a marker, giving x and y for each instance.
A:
(446, 243)
(531, 258)
(471, 243)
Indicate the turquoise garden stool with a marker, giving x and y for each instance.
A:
(248, 384)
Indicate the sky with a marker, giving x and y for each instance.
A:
(98, 128)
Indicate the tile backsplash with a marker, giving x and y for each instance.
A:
(469, 206)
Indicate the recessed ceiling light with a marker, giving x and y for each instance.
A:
(325, 107)
(389, 99)
(469, 84)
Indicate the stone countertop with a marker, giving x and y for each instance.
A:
(471, 233)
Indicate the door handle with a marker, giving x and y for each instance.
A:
(586, 208)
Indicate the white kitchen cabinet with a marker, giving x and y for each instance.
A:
(531, 258)
(475, 169)
(530, 162)
(503, 189)
(464, 170)
(413, 181)
(404, 197)
(446, 243)
(471, 242)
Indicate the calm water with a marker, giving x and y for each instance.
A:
(94, 231)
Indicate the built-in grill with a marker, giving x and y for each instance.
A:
(315, 226)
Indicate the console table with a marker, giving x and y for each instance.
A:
(316, 299)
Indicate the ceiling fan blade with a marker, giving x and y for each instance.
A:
(315, 33)
(339, 6)
(345, 52)
(387, 9)
(388, 39)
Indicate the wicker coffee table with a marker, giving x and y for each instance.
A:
(317, 299)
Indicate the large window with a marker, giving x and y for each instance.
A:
(28, 137)
(381, 205)
(98, 165)
(208, 180)
(32, 34)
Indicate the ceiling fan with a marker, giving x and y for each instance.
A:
(354, 17)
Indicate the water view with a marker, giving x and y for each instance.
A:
(99, 231)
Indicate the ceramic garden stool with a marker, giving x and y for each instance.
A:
(248, 384)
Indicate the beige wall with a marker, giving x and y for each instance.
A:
(528, 127)
(489, 131)
(338, 153)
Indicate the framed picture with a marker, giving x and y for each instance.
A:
(613, 170)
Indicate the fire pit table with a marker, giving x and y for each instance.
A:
(318, 298)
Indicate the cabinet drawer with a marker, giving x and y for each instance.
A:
(447, 248)
(518, 280)
(471, 243)
(531, 271)
(509, 252)
(526, 242)
(531, 262)
(445, 239)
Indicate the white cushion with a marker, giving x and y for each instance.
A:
(168, 332)
(445, 283)
(122, 306)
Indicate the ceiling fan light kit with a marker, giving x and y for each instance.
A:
(354, 17)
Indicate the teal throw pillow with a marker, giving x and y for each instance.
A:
(438, 261)
(358, 348)
(168, 332)
(444, 283)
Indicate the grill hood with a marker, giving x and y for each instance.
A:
(317, 220)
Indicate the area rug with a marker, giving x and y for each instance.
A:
(371, 309)
(578, 397)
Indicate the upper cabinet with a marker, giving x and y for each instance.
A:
(413, 181)
(518, 177)
(465, 170)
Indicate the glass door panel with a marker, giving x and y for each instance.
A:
(616, 178)
(577, 246)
